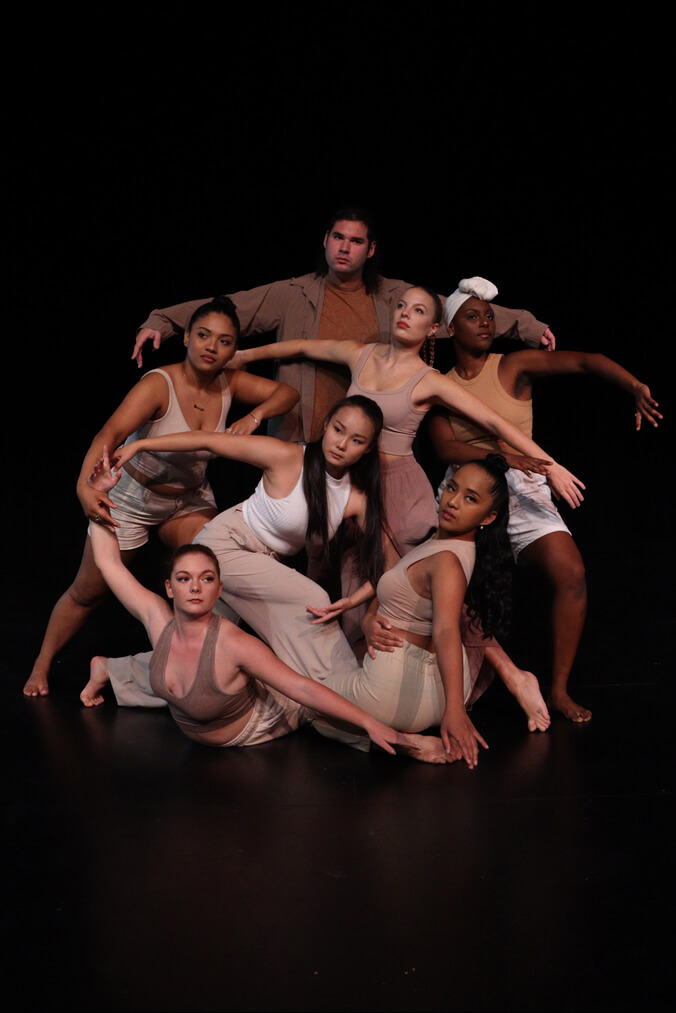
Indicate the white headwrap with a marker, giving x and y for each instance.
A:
(480, 288)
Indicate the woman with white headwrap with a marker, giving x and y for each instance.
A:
(538, 535)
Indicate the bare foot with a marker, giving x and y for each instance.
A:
(526, 689)
(37, 684)
(573, 711)
(430, 749)
(91, 695)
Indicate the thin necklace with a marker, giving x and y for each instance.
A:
(198, 407)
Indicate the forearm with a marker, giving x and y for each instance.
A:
(279, 403)
(448, 647)
(320, 698)
(187, 442)
(359, 597)
(513, 436)
(605, 368)
(297, 348)
(455, 452)
(106, 550)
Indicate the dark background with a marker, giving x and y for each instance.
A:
(162, 155)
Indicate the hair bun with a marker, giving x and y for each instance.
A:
(498, 462)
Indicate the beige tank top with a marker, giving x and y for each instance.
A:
(397, 600)
(487, 387)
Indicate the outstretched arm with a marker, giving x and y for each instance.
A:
(445, 391)
(264, 452)
(452, 451)
(258, 661)
(520, 367)
(143, 604)
(345, 353)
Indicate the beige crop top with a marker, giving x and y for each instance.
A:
(401, 418)
(397, 600)
(487, 387)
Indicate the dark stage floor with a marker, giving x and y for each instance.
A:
(146, 873)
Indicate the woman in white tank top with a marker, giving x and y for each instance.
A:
(173, 494)
(304, 496)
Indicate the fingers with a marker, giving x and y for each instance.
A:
(138, 353)
(480, 739)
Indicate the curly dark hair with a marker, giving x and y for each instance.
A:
(488, 595)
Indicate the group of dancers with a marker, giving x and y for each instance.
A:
(412, 639)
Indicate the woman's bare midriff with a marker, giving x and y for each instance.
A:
(417, 639)
(158, 489)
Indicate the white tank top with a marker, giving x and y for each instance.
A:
(282, 523)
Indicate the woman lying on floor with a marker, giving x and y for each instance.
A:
(223, 686)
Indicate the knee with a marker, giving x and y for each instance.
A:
(85, 597)
(320, 599)
(569, 576)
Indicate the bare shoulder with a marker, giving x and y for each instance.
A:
(441, 569)
(234, 648)
(445, 569)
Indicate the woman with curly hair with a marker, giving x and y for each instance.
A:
(427, 680)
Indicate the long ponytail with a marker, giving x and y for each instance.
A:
(488, 594)
(365, 476)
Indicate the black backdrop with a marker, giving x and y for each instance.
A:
(164, 154)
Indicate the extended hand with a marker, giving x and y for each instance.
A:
(458, 732)
(520, 462)
(386, 737)
(244, 427)
(145, 334)
(564, 484)
(94, 498)
(646, 406)
(326, 613)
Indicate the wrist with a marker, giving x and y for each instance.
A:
(455, 709)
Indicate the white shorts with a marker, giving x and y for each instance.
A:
(532, 513)
(137, 509)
